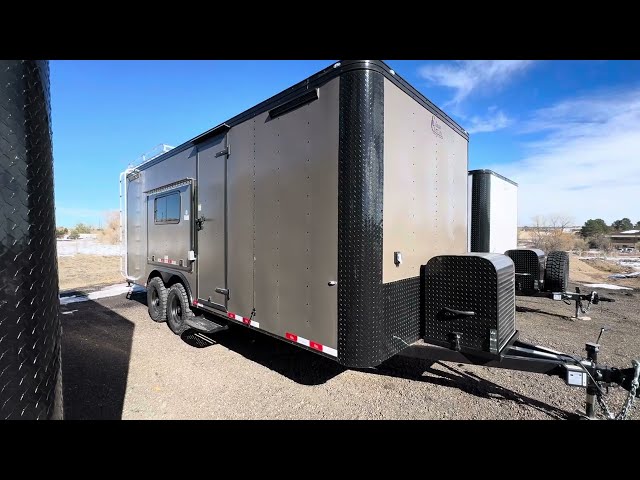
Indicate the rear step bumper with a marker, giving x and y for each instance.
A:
(204, 325)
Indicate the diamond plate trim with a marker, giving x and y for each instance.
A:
(30, 375)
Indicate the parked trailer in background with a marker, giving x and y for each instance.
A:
(332, 216)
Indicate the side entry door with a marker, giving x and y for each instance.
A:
(211, 222)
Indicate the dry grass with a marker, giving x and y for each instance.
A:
(81, 271)
(111, 232)
(606, 266)
(598, 271)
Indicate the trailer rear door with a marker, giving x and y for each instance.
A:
(211, 214)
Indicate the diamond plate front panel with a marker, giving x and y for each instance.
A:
(401, 314)
(360, 191)
(479, 282)
(530, 262)
(30, 378)
(480, 211)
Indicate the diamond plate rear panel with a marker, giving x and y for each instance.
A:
(360, 188)
(30, 378)
(529, 261)
(479, 282)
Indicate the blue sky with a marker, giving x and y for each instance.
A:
(567, 131)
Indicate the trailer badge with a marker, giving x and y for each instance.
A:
(436, 127)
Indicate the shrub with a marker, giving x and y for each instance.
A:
(111, 232)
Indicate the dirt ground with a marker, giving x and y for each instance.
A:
(80, 271)
(118, 363)
(598, 271)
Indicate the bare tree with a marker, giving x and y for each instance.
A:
(550, 232)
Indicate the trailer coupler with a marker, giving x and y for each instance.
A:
(576, 372)
(579, 298)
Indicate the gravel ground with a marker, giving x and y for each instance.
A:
(117, 363)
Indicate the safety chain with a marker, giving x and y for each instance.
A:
(628, 403)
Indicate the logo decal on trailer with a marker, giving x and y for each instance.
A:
(436, 127)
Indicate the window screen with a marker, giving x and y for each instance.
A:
(167, 208)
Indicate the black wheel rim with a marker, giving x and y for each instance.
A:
(155, 300)
(176, 309)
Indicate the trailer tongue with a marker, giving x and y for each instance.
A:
(468, 316)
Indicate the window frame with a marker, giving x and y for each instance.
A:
(155, 208)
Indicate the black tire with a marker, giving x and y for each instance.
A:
(178, 309)
(157, 300)
(556, 272)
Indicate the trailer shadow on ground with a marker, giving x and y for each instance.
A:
(96, 349)
(307, 368)
(521, 309)
(300, 366)
(464, 380)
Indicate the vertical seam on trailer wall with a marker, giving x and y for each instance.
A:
(225, 159)
(360, 192)
(253, 257)
(309, 210)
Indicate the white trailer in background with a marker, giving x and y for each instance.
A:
(492, 212)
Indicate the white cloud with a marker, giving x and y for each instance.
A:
(494, 120)
(586, 163)
(465, 76)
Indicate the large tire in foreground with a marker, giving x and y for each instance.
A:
(556, 272)
(178, 309)
(157, 300)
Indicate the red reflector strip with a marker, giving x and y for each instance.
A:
(245, 320)
(311, 344)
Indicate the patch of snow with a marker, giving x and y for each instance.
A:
(625, 275)
(87, 246)
(606, 285)
(111, 291)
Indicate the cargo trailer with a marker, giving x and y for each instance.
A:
(332, 216)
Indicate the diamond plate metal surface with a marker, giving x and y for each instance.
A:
(30, 378)
(479, 282)
(530, 261)
(360, 189)
(401, 314)
(480, 212)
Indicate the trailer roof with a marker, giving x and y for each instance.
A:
(491, 172)
(314, 81)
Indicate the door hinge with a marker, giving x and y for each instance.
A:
(223, 152)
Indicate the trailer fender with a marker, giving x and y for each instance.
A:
(169, 277)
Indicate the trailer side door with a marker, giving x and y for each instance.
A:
(211, 223)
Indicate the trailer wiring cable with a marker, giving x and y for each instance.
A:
(628, 403)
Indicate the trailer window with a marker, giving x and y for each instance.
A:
(167, 208)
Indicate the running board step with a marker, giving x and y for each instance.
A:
(203, 325)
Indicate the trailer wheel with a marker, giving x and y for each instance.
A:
(556, 272)
(178, 310)
(157, 300)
